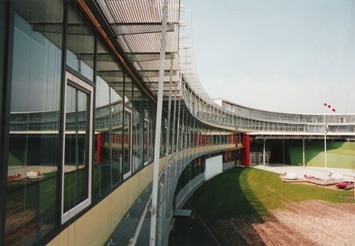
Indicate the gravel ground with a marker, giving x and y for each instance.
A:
(304, 223)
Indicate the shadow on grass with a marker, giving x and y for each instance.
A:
(313, 149)
(225, 208)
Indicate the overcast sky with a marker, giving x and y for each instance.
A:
(276, 55)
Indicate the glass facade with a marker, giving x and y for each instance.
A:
(33, 158)
(2, 50)
(107, 169)
(55, 163)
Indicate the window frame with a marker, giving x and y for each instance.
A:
(128, 112)
(74, 81)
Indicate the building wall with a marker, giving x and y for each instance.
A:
(96, 225)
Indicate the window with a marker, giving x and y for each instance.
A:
(146, 140)
(107, 171)
(76, 190)
(34, 140)
(127, 144)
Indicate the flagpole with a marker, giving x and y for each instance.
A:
(326, 129)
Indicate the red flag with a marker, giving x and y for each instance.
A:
(329, 106)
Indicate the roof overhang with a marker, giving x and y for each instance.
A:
(137, 28)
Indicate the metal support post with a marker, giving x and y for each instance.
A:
(325, 133)
(264, 152)
(325, 142)
(153, 222)
(168, 146)
(303, 153)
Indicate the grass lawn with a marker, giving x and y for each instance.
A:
(241, 193)
(253, 192)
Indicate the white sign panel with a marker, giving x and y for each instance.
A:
(214, 166)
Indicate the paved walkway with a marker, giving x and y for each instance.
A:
(319, 172)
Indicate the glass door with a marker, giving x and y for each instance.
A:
(77, 159)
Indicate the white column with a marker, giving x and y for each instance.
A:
(154, 209)
(264, 152)
(303, 153)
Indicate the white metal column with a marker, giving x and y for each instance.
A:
(303, 153)
(153, 222)
(264, 152)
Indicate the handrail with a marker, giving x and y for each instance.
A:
(136, 234)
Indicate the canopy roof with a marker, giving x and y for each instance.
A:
(137, 26)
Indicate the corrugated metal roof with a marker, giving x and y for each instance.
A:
(137, 25)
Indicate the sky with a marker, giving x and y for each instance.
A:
(277, 55)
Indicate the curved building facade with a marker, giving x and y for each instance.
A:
(100, 108)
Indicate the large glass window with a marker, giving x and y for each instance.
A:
(80, 46)
(127, 143)
(107, 171)
(115, 141)
(33, 157)
(139, 107)
(2, 47)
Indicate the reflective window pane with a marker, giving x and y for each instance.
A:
(127, 150)
(107, 171)
(76, 152)
(80, 46)
(33, 157)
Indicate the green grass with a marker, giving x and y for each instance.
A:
(253, 192)
(14, 161)
(339, 154)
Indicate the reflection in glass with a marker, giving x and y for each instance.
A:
(34, 125)
(80, 46)
(126, 165)
(76, 144)
(145, 140)
(107, 171)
